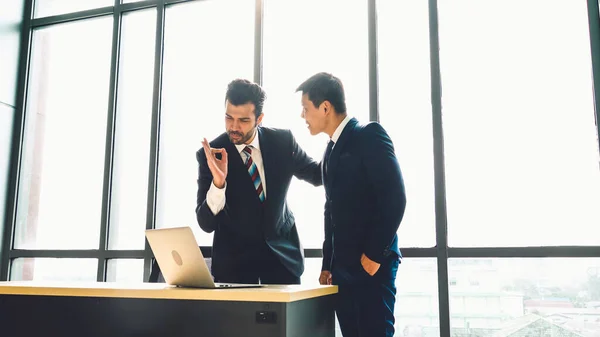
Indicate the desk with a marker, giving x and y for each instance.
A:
(155, 309)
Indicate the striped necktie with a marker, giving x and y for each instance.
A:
(253, 171)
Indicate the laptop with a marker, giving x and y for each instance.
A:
(181, 261)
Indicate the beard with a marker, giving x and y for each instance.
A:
(239, 138)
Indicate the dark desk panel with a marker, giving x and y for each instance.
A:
(68, 315)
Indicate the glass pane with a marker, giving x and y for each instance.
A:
(60, 189)
(416, 310)
(405, 110)
(417, 300)
(525, 297)
(7, 115)
(132, 138)
(11, 17)
(52, 269)
(293, 51)
(203, 53)
(125, 270)
(520, 137)
(55, 7)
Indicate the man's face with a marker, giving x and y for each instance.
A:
(314, 116)
(241, 123)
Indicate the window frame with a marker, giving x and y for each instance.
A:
(441, 251)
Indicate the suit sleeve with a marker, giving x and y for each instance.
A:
(328, 242)
(303, 166)
(207, 220)
(384, 175)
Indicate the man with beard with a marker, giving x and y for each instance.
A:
(244, 175)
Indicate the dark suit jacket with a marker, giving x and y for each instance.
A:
(244, 226)
(365, 197)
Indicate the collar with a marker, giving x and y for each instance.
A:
(340, 128)
(255, 143)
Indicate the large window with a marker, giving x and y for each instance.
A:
(526, 297)
(491, 106)
(521, 143)
(61, 186)
(132, 131)
(405, 110)
(293, 51)
(203, 53)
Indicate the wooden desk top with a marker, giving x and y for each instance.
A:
(268, 293)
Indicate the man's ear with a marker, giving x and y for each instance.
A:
(326, 107)
(259, 119)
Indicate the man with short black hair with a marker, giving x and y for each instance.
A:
(365, 202)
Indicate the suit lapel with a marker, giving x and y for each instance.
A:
(236, 167)
(270, 169)
(267, 158)
(235, 159)
(323, 171)
(337, 150)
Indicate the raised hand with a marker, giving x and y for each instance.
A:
(218, 167)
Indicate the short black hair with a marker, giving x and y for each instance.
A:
(325, 87)
(241, 91)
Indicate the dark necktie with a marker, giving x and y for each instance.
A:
(253, 171)
(327, 155)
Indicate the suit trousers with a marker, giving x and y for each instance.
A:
(365, 303)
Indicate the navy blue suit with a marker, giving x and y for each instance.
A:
(365, 202)
(251, 240)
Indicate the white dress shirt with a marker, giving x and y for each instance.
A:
(339, 129)
(215, 197)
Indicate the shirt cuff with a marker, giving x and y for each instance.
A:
(215, 198)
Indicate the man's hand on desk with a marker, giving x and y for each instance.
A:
(325, 278)
(218, 167)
